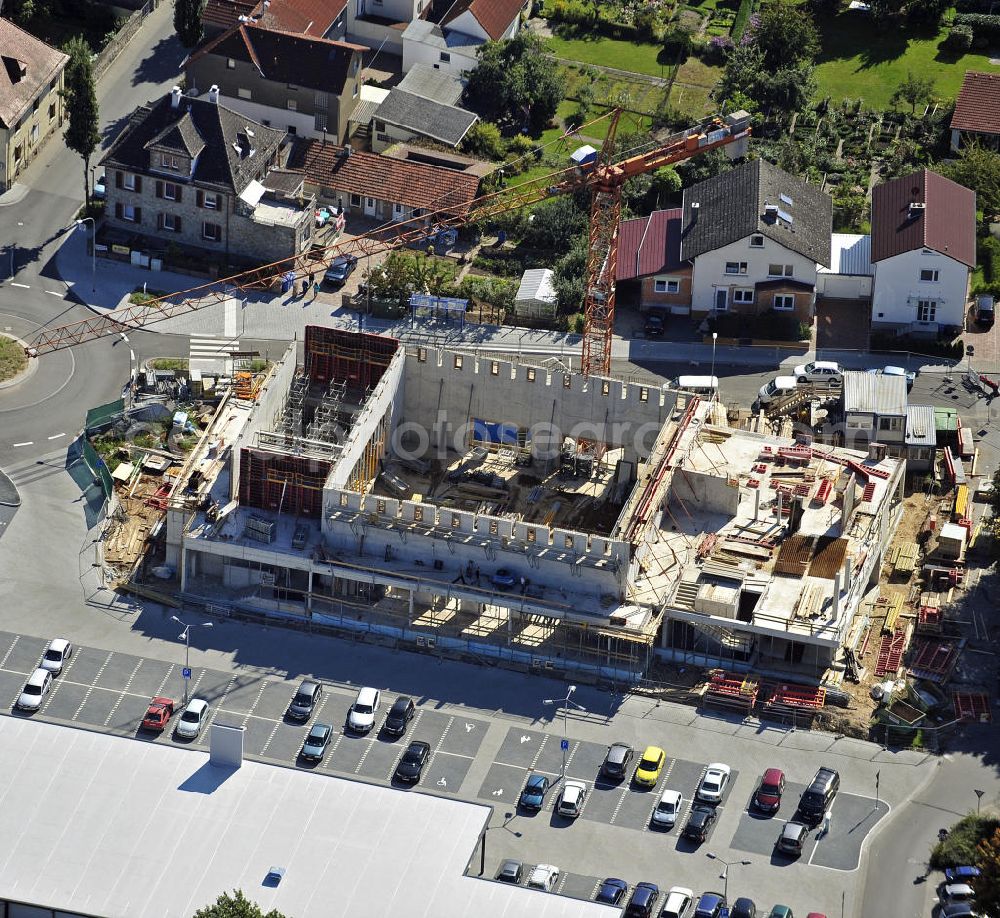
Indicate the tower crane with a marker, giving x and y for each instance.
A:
(602, 174)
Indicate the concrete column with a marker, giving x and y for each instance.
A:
(836, 595)
(409, 620)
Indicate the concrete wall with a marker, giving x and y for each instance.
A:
(416, 52)
(844, 286)
(677, 303)
(30, 131)
(706, 492)
(446, 390)
(898, 289)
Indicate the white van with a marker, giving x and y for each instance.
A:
(777, 388)
(707, 386)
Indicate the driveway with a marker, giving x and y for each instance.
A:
(843, 324)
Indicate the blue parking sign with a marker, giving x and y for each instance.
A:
(186, 672)
(564, 745)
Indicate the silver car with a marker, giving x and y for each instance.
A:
(193, 719)
(56, 656)
(34, 691)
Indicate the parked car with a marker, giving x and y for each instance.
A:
(615, 764)
(341, 268)
(535, 789)
(955, 892)
(699, 822)
(56, 655)
(655, 325)
(399, 716)
(777, 388)
(767, 797)
(710, 905)
(957, 910)
(192, 719)
(611, 891)
(780, 911)
(647, 772)
(792, 838)
(909, 375)
(985, 309)
(159, 712)
(543, 877)
(510, 871)
(743, 907)
(643, 901)
(34, 691)
(304, 701)
(961, 874)
(572, 798)
(503, 579)
(100, 191)
(362, 714)
(824, 372)
(713, 784)
(668, 808)
(818, 797)
(411, 765)
(316, 742)
(678, 903)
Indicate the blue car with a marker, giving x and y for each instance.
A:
(503, 579)
(533, 795)
(612, 891)
(711, 905)
(961, 874)
(643, 901)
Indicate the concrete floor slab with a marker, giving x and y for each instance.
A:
(446, 772)
(382, 758)
(522, 747)
(23, 654)
(503, 784)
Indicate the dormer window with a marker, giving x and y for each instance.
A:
(168, 161)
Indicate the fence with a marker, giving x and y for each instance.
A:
(122, 37)
(104, 415)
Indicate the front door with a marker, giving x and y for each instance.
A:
(369, 207)
(721, 299)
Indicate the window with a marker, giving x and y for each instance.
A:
(211, 231)
(293, 105)
(243, 93)
(209, 200)
(230, 63)
(355, 200)
(926, 274)
(494, 367)
(666, 285)
(169, 222)
(18, 152)
(743, 295)
(643, 394)
(458, 361)
(445, 57)
(567, 381)
(379, 125)
(34, 106)
(890, 424)
(128, 213)
(128, 181)
(605, 387)
(784, 301)
(756, 242)
(292, 129)
(531, 374)
(52, 111)
(736, 267)
(397, 208)
(532, 535)
(926, 310)
(34, 133)
(780, 270)
(168, 191)
(169, 161)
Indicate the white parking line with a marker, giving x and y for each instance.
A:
(218, 709)
(159, 690)
(10, 650)
(57, 293)
(59, 681)
(263, 685)
(562, 883)
(277, 724)
(621, 800)
(332, 750)
(371, 742)
(57, 436)
(90, 689)
(538, 753)
(440, 743)
(572, 752)
(121, 698)
(22, 286)
(25, 443)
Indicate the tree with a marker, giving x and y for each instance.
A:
(392, 280)
(484, 141)
(977, 168)
(913, 90)
(21, 11)
(187, 21)
(80, 95)
(497, 293)
(927, 12)
(987, 884)
(704, 166)
(569, 277)
(785, 34)
(431, 275)
(554, 224)
(235, 906)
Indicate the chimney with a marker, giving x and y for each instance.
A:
(213, 94)
(175, 97)
(695, 208)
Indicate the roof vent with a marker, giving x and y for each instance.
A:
(916, 209)
(771, 210)
(175, 97)
(695, 209)
(213, 94)
(785, 199)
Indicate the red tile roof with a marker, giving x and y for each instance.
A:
(495, 16)
(312, 17)
(978, 105)
(650, 245)
(946, 224)
(224, 14)
(400, 181)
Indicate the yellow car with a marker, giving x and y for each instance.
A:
(647, 772)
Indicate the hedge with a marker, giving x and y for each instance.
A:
(741, 20)
(973, 6)
(989, 255)
(983, 25)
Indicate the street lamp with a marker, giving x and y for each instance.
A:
(13, 249)
(715, 337)
(185, 636)
(93, 252)
(565, 702)
(979, 799)
(724, 876)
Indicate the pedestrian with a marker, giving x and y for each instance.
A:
(305, 286)
(316, 290)
(312, 279)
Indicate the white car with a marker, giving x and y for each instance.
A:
(193, 718)
(777, 388)
(819, 371)
(361, 717)
(571, 800)
(713, 784)
(543, 877)
(956, 892)
(56, 655)
(678, 903)
(668, 809)
(34, 691)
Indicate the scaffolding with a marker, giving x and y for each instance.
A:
(325, 424)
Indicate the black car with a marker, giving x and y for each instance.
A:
(643, 901)
(616, 762)
(305, 700)
(654, 326)
(413, 761)
(818, 797)
(510, 872)
(316, 742)
(533, 795)
(612, 891)
(341, 268)
(743, 908)
(699, 822)
(400, 714)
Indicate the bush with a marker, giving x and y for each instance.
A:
(741, 20)
(572, 12)
(650, 25)
(989, 258)
(960, 845)
(483, 140)
(959, 39)
(677, 44)
(983, 25)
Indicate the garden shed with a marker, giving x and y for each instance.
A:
(536, 295)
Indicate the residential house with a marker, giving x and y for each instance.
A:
(453, 43)
(874, 410)
(649, 260)
(381, 187)
(190, 172)
(318, 18)
(977, 111)
(423, 107)
(924, 251)
(31, 105)
(299, 83)
(921, 438)
(536, 296)
(381, 24)
(757, 237)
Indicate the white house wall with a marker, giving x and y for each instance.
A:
(844, 286)
(280, 118)
(416, 52)
(710, 270)
(898, 288)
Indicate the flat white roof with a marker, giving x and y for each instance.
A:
(850, 253)
(119, 827)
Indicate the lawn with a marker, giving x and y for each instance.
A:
(860, 61)
(12, 358)
(610, 52)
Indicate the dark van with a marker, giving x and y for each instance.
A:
(819, 795)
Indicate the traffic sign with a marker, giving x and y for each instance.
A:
(564, 745)
(186, 672)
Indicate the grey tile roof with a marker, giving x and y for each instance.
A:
(228, 139)
(732, 206)
(874, 393)
(445, 123)
(440, 85)
(181, 136)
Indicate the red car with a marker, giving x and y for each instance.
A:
(159, 713)
(767, 798)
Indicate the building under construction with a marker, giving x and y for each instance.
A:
(512, 512)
